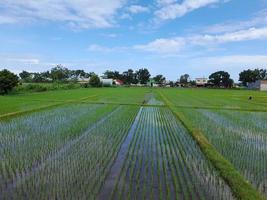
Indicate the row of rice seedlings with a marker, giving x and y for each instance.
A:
(241, 137)
(199, 98)
(30, 140)
(80, 171)
(164, 162)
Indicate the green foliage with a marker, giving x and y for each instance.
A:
(143, 76)
(250, 76)
(8, 81)
(112, 74)
(95, 81)
(184, 79)
(59, 73)
(221, 79)
(159, 79)
(128, 77)
(25, 76)
(42, 87)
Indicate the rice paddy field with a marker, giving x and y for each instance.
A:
(134, 143)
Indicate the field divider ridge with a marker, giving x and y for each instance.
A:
(240, 187)
(110, 181)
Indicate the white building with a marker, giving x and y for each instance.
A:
(201, 82)
(106, 81)
(260, 85)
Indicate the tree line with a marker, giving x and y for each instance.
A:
(61, 74)
(56, 74)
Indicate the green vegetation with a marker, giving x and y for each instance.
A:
(164, 162)
(217, 99)
(8, 81)
(42, 87)
(95, 81)
(28, 101)
(238, 136)
(240, 186)
(184, 143)
(76, 147)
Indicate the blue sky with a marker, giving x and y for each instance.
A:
(169, 37)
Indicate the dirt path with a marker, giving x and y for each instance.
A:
(110, 181)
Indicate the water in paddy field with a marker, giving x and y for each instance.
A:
(162, 162)
(151, 100)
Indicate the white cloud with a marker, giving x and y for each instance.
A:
(258, 20)
(19, 60)
(235, 60)
(174, 45)
(135, 9)
(163, 45)
(104, 49)
(79, 13)
(165, 2)
(170, 9)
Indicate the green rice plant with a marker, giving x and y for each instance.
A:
(181, 171)
(239, 136)
(30, 140)
(80, 170)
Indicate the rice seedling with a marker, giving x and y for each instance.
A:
(241, 137)
(43, 151)
(164, 162)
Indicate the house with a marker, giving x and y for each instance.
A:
(106, 81)
(201, 82)
(118, 82)
(82, 79)
(259, 85)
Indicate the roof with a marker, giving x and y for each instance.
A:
(119, 81)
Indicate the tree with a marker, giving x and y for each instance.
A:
(221, 79)
(24, 75)
(128, 76)
(172, 84)
(250, 76)
(184, 79)
(59, 73)
(112, 74)
(38, 78)
(95, 81)
(159, 79)
(135, 78)
(143, 76)
(8, 81)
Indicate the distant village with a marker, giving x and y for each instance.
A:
(184, 82)
(255, 79)
(250, 78)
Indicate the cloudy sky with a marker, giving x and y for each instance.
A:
(168, 37)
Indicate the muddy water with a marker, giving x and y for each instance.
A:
(114, 173)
